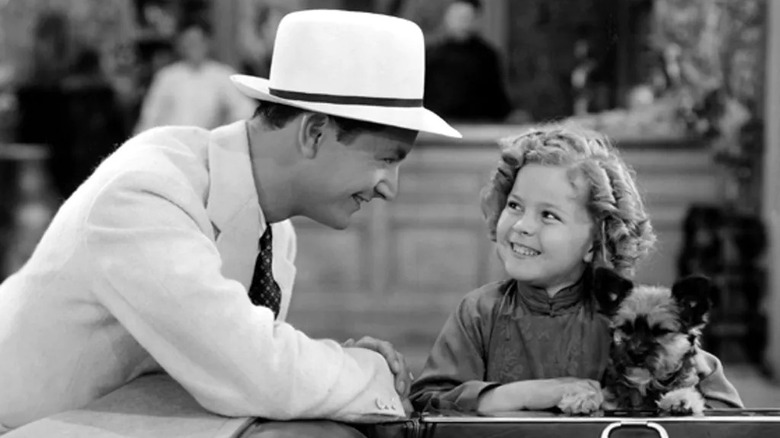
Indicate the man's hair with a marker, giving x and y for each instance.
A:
(623, 233)
(277, 115)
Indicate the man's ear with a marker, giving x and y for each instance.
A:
(693, 294)
(610, 289)
(311, 132)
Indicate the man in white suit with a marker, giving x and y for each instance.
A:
(151, 264)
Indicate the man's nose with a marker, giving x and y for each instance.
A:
(387, 187)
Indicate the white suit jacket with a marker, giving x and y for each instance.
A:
(147, 265)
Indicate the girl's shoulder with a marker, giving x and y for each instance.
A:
(485, 298)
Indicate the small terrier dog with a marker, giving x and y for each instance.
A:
(655, 334)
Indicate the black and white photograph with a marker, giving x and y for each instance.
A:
(389, 218)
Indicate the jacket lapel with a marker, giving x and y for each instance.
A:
(232, 203)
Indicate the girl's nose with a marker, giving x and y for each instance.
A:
(524, 225)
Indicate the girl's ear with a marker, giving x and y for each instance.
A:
(588, 257)
(311, 132)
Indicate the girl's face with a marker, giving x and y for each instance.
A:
(544, 233)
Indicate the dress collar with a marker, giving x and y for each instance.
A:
(537, 301)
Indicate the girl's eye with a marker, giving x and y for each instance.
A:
(549, 215)
(513, 205)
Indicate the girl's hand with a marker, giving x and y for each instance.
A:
(580, 396)
(570, 394)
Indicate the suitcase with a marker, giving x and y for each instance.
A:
(616, 424)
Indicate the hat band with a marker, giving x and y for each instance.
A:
(346, 100)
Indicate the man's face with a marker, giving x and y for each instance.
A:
(347, 173)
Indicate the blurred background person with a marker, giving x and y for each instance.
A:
(67, 103)
(463, 74)
(40, 95)
(96, 123)
(195, 90)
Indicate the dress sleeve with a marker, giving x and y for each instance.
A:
(718, 392)
(453, 375)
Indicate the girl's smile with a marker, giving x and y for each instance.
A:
(524, 251)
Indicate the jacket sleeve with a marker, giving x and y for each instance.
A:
(453, 375)
(158, 273)
(718, 392)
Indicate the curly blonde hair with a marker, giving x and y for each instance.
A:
(622, 232)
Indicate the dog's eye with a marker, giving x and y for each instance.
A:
(660, 331)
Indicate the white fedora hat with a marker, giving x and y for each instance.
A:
(356, 65)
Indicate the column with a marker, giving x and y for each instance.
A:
(771, 195)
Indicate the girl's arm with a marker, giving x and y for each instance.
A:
(718, 392)
(453, 375)
(533, 395)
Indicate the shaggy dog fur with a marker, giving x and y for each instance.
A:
(655, 335)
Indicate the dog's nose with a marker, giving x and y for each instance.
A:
(634, 356)
(637, 354)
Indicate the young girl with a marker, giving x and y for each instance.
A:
(560, 202)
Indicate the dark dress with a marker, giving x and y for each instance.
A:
(505, 332)
(79, 121)
(463, 81)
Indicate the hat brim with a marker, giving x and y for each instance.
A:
(417, 119)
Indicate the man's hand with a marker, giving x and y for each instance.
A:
(395, 360)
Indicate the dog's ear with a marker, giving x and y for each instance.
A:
(610, 289)
(693, 294)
